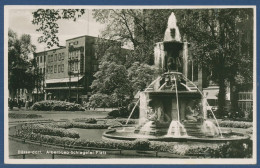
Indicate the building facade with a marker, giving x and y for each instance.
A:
(68, 71)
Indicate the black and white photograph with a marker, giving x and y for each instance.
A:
(130, 84)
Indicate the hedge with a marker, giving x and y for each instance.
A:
(18, 115)
(86, 120)
(67, 125)
(53, 105)
(47, 130)
(238, 149)
(235, 124)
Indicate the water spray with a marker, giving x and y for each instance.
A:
(206, 102)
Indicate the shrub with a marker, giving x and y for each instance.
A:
(122, 113)
(235, 124)
(18, 115)
(239, 149)
(121, 121)
(86, 120)
(54, 105)
(91, 120)
(141, 144)
(47, 130)
(67, 125)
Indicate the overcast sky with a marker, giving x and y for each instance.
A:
(20, 21)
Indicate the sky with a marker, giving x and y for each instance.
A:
(20, 21)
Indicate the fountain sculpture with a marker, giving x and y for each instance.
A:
(172, 108)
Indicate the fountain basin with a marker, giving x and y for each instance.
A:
(113, 134)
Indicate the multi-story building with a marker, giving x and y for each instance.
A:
(69, 70)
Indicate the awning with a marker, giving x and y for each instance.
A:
(64, 88)
(63, 80)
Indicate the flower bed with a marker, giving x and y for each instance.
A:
(86, 120)
(67, 125)
(52, 105)
(241, 149)
(18, 115)
(47, 130)
(235, 124)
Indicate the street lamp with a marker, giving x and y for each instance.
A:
(69, 72)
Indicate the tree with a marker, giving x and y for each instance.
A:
(141, 75)
(20, 67)
(134, 26)
(111, 51)
(111, 80)
(215, 36)
(47, 20)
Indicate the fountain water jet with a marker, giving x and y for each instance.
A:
(146, 129)
(209, 128)
(176, 129)
(172, 108)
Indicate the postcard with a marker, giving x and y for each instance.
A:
(130, 84)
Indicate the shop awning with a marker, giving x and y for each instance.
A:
(64, 88)
(63, 80)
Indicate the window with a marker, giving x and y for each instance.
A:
(55, 57)
(62, 57)
(62, 68)
(55, 68)
(76, 66)
(51, 69)
(58, 68)
(59, 57)
(72, 67)
(40, 59)
(37, 59)
(50, 58)
(72, 55)
(77, 54)
(69, 55)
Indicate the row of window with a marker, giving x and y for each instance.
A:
(245, 96)
(40, 59)
(245, 105)
(74, 66)
(56, 57)
(74, 54)
(55, 69)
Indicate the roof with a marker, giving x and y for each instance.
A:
(63, 80)
(61, 47)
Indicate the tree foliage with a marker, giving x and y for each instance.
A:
(141, 75)
(20, 68)
(217, 44)
(47, 20)
(111, 80)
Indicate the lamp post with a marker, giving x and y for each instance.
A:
(78, 83)
(44, 69)
(69, 71)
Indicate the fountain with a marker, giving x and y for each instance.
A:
(172, 108)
